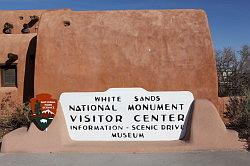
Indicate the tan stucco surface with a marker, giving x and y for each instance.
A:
(17, 44)
(23, 45)
(155, 50)
(13, 17)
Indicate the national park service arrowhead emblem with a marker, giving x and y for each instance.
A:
(43, 109)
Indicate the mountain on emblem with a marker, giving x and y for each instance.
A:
(43, 110)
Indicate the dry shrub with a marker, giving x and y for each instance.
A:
(238, 112)
(12, 115)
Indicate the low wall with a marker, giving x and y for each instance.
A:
(206, 131)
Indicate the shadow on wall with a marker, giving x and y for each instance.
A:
(186, 132)
(28, 91)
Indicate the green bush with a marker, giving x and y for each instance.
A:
(233, 81)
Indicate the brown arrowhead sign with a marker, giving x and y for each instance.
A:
(43, 110)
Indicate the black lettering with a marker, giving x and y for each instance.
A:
(147, 98)
(167, 107)
(145, 118)
(118, 118)
(119, 98)
(174, 107)
(113, 108)
(73, 118)
(135, 118)
(71, 108)
(138, 107)
(144, 107)
(155, 118)
(130, 107)
(141, 135)
(107, 108)
(100, 117)
(93, 107)
(87, 119)
(169, 127)
(181, 106)
(181, 117)
(97, 98)
(160, 107)
(109, 118)
(114, 135)
(101, 107)
(171, 117)
(78, 108)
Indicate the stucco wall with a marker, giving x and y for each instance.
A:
(13, 17)
(17, 44)
(155, 50)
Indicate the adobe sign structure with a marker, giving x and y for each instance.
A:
(125, 81)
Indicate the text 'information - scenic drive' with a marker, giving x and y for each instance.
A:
(126, 114)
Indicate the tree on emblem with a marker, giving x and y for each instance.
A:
(38, 108)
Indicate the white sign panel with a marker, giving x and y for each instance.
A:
(126, 114)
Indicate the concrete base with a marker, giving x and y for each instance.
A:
(206, 131)
(207, 158)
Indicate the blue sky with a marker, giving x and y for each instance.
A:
(229, 19)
